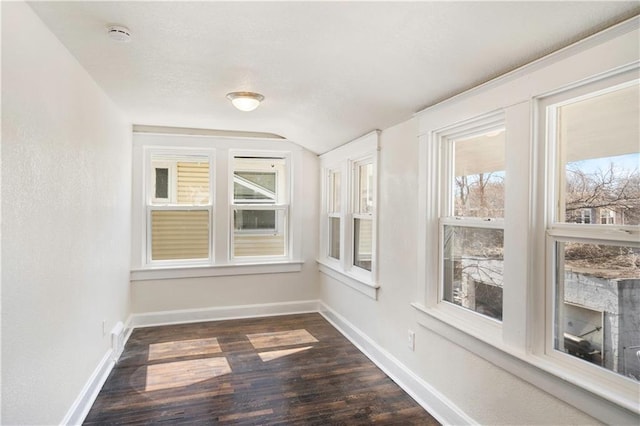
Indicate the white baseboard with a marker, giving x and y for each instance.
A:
(430, 399)
(221, 313)
(424, 394)
(81, 406)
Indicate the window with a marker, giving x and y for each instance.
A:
(179, 207)
(348, 231)
(595, 278)
(260, 207)
(362, 214)
(208, 206)
(471, 217)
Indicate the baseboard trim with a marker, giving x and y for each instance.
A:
(153, 319)
(429, 398)
(424, 394)
(81, 406)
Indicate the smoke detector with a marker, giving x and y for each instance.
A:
(119, 33)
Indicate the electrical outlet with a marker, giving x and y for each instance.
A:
(411, 341)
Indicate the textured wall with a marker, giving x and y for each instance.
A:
(66, 161)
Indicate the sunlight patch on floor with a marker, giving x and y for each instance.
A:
(184, 373)
(271, 355)
(281, 338)
(183, 348)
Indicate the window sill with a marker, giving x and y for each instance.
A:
(172, 272)
(567, 384)
(366, 287)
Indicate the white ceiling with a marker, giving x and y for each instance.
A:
(330, 71)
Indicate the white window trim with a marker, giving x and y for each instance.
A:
(221, 149)
(171, 204)
(517, 349)
(344, 159)
(559, 231)
(287, 195)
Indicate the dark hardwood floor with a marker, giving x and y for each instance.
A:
(293, 370)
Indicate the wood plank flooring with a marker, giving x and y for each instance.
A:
(287, 370)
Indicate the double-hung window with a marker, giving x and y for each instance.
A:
(348, 219)
(593, 232)
(260, 205)
(363, 214)
(471, 228)
(179, 197)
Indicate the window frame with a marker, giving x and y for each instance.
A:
(437, 151)
(281, 202)
(153, 204)
(355, 214)
(558, 231)
(346, 159)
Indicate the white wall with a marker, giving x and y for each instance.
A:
(66, 161)
(486, 393)
(227, 291)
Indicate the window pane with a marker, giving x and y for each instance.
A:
(181, 179)
(334, 192)
(479, 178)
(362, 243)
(365, 188)
(598, 305)
(193, 182)
(472, 268)
(259, 180)
(599, 160)
(259, 233)
(162, 183)
(253, 220)
(334, 237)
(179, 234)
(254, 186)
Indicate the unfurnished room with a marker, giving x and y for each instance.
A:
(320, 213)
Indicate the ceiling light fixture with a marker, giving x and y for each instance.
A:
(245, 101)
(119, 33)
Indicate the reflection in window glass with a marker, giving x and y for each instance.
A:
(599, 160)
(362, 243)
(598, 305)
(334, 237)
(478, 187)
(473, 264)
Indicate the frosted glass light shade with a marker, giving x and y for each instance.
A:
(245, 101)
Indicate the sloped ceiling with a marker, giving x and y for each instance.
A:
(330, 71)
